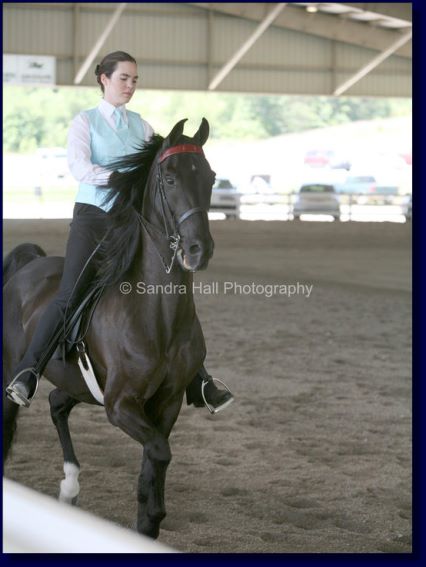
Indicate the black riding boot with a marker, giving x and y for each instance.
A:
(23, 387)
(215, 399)
(27, 374)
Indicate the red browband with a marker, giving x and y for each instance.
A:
(183, 148)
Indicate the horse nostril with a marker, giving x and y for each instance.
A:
(194, 249)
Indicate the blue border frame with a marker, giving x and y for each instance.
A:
(418, 556)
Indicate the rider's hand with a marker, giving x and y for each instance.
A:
(114, 178)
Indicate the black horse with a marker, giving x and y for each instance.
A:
(145, 348)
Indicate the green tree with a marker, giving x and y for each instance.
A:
(34, 117)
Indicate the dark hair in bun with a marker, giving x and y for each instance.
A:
(109, 64)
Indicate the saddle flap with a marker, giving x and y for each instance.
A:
(78, 324)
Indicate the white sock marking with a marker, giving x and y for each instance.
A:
(70, 486)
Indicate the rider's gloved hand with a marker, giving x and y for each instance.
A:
(114, 178)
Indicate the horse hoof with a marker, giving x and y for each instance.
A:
(72, 501)
(149, 530)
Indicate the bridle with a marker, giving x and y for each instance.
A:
(173, 236)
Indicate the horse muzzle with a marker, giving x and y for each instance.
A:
(194, 259)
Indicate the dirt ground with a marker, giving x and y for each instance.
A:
(315, 453)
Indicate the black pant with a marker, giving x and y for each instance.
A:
(88, 227)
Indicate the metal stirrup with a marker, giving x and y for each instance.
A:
(203, 385)
(34, 372)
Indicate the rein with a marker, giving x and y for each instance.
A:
(173, 237)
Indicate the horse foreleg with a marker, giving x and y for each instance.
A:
(131, 418)
(61, 405)
(151, 485)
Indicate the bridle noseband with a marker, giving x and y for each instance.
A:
(174, 237)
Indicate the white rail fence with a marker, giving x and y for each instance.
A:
(36, 523)
(353, 207)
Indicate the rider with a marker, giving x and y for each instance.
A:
(96, 137)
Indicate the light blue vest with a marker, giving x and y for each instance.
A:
(106, 146)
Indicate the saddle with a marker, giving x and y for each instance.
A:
(77, 325)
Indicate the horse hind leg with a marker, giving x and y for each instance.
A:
(12, 353)
(61, 405)
(10, 414)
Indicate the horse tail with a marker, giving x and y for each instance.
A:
(19, 257)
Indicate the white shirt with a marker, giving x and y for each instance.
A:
(78, 149)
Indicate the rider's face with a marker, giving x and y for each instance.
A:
(120, 87)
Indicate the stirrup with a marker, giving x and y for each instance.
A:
(16, 396)
(211, 409)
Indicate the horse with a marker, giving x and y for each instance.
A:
(145, 348)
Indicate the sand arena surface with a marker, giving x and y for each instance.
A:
(315, 453)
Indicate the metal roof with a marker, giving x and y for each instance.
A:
(284, 48)
(373, 16)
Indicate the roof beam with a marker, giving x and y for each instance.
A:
(369, 13)
(265, 23)
(255, 67)
(318, 24)
(373, 63)
(75, 34)
(99, 43)
(400, 10)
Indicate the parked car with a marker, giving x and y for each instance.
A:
(384, 193)
(407, 209)
(259, 191)
(317, 199)
(358, 184)
(317, 158)
(369, 189)
(407, 157)
(225, 199)
(326, 158)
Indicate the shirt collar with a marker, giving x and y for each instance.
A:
(108, 108)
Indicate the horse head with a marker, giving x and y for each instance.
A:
(178, 197)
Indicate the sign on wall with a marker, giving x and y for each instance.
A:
(29, 69)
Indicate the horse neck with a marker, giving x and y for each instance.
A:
(150, 269)
(171, 305)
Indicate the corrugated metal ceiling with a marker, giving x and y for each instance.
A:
(183, 45)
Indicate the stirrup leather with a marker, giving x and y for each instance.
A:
(10, 391)
(211, 409)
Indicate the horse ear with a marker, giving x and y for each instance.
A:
(203, 132)
(176, 132)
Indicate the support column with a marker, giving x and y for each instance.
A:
(99, 43)
(373, 63)
(266, 22)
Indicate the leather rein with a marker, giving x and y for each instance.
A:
(172, 236)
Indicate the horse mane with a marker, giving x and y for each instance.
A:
(126, 191)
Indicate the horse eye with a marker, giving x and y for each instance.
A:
(170, 180)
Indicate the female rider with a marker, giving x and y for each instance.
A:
(96, 136)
